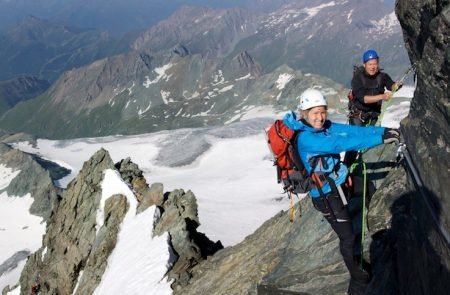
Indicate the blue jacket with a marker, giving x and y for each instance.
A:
(328, 142)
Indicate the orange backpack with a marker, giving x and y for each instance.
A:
(291, 171)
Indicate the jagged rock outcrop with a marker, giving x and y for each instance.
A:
(247, 62)
(33, 179)
(178, 217)
(75, 249)
(71, 237)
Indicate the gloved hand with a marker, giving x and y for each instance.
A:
(397, 85)
(391, 135)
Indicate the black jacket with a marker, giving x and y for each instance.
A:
(363, 84)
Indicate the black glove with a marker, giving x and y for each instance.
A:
(391, 135)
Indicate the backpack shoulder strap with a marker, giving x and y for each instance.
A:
(358, 72)
(379, 78)
(297, 161)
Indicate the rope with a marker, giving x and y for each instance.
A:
(363, 226)
(384, 107)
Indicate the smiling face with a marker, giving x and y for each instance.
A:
(371, 67)
(316, 116)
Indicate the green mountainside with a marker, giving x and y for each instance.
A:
(20, 89)
(44, 49)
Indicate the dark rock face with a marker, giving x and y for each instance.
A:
(407, 253)
(410, 251)
(426, 26)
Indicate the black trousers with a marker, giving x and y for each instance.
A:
(338, 217)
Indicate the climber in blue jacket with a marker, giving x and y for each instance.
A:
(320, 143)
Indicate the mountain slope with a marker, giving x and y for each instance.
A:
(20, 89)
(328, 37)
(322, 37)
(209, 66)
(44, 49)
(142, 92)
(211, 32)
(109, 14)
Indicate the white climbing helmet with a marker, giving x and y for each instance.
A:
(311, 98)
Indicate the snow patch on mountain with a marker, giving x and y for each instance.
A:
(218, 78)
(161, 75)
(248, 76)
(111, 185)
(165, 95)
(226, 88)
(349, 16)
(140, 112)
(282, 80)
(312, 11)
(19, 230)
(387, 25)
(205, 113)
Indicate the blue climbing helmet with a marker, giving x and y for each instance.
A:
(369, 54)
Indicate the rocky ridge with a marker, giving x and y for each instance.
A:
(75, 248)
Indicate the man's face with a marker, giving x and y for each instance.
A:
(371, 67)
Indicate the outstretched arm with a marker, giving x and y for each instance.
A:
(322, 143)
(352, 130)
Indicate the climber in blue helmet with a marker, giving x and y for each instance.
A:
(370, 87)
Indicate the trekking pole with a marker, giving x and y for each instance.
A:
(385, 105)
